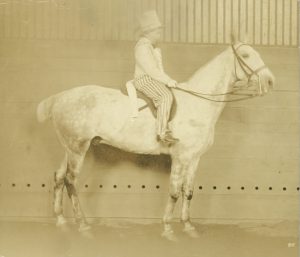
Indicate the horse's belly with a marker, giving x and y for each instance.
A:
(132, 134)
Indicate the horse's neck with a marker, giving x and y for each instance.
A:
(215, 77)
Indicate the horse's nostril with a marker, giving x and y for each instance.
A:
(270, 82)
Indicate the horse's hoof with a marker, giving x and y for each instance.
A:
(61, 221)
(192, 232)
(87, 234)
(170, 235)
(63, 227)
(84, 227)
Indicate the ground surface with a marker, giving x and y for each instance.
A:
(29, 239)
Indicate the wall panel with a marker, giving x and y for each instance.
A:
(188, 21)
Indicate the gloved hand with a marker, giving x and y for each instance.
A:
(172, 83)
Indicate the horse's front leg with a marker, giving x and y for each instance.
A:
(187, 195)
(174, 193)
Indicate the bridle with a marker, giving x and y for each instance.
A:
(248, 71)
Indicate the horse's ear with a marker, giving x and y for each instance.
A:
(233, 38)
(246, 38)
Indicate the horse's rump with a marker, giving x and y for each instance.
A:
(44, 109)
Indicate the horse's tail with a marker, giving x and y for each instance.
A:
(44, 109)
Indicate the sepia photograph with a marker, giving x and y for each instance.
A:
(149, 128)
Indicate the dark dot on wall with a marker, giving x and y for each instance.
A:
(256, 188)
(242, 188)
(28, 185)
(13, 184)
(200, 187)
(86, 186)
(143, 186)
(214, 187)
(115, 186)
(43, 185)
(298, 188)
(100, 186)
(228, 188)
(284, 189)
(129, 186)
(157, 186)
(270, 188)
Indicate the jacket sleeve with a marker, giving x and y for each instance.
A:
(145, 59)
(157, 52)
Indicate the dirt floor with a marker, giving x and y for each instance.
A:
(127, 239)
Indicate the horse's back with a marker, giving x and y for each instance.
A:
(85, 109)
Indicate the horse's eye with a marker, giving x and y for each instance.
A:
(245, 55)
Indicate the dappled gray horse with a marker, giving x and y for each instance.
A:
(81, 114)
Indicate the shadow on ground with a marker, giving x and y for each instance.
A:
(28, 239)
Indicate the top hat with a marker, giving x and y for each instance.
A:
(149, 21)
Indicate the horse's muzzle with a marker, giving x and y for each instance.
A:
(265, 82)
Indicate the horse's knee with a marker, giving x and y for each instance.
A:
(189, 195)
(175, 188)
(174, 194)
(70, 177)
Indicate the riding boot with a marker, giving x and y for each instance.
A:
(167, 138)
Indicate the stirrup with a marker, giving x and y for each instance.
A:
(167, 139)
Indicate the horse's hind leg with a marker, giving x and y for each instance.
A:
(59, 177)
(75, 162)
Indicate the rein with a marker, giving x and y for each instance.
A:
(201, 95)
(249, 75)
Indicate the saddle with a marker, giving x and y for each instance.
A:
(145, 102)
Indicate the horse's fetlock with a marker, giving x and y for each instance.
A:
(185, 219)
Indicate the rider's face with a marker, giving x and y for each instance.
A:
(154, 35)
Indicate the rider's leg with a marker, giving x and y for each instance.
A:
(162, 98)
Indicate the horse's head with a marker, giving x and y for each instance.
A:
(249, 67)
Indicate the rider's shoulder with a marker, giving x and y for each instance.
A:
(143, 42)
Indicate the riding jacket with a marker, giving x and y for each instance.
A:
(148, 61)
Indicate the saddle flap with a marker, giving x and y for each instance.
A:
(139, 101)
(131, 91)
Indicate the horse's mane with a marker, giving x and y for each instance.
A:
(204, 73)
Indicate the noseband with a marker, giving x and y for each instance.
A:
(249, 72)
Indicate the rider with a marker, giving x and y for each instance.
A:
(150, 77)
